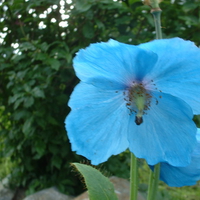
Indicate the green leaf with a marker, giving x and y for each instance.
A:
(99, 186)
(55, 64)
(21, 114)
(88, 30)
(190, 20)
(27, 46)
(26, 129)
(17, 58)
(37, 92)
(190, 6)
(40, 147)
(99, 24)
(53, 149)
(28, 101)
(56, 161)
(69, 57)
(4, 65)
(13, 98)
(44, 46)
(41, 56)
(18, 102)
(83, 5)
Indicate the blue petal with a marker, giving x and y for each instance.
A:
(88, 95)
(177, 70)
(167, 133)
(183, 176)
(97, 125)
(113, 64)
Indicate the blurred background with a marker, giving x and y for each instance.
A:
(38, 40)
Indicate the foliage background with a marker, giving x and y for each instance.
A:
(38, 40)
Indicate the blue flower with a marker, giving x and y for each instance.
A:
(137, 97)
(183, 176)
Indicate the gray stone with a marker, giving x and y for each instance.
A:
(48, 194)
(19, 194)
(121, 189)
(5, 193)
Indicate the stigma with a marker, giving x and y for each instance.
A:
(138, 120)
(138, 101)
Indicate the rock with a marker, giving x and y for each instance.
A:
(121, 189)
(19, 194)
(5, 193)
(48, 194)
(83, 196)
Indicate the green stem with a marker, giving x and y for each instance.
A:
(156, 15)
(150, 185)
(156, 180)
(153, 182)
(133, 178)
(22, 30)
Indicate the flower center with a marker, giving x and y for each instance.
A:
(139, 100)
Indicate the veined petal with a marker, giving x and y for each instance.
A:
(167, 133)
(100, 123)
(113, 64)
(88, 95)
(177, 71)
(97, 129)
(183, 176)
